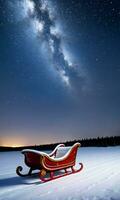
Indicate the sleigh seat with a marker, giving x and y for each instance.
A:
(61, 158)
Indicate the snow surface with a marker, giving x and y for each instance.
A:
(99, 179)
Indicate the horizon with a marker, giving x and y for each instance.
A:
(58, 142)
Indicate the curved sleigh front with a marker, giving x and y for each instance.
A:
(61, 158)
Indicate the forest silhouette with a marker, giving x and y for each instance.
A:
(89, 142)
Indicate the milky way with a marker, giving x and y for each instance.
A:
(45, 24)
(59, 70)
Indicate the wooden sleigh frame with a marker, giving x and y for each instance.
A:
(51, 162)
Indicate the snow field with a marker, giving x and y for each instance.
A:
(99, 179)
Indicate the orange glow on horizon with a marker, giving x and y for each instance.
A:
(15, 145)
(12, 142)
(12, 145)
(21, 141)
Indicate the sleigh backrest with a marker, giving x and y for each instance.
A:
(65, 151)
(61, 151)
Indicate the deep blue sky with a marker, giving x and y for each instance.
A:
(59, 70)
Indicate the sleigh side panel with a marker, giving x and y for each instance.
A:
(51, 164)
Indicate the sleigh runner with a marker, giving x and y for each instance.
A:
(61, 158)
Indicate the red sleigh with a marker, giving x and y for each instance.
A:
(61, 158)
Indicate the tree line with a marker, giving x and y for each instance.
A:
(89, 142)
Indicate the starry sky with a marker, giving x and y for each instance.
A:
(59, 70)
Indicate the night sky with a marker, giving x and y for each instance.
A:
(59, 70)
